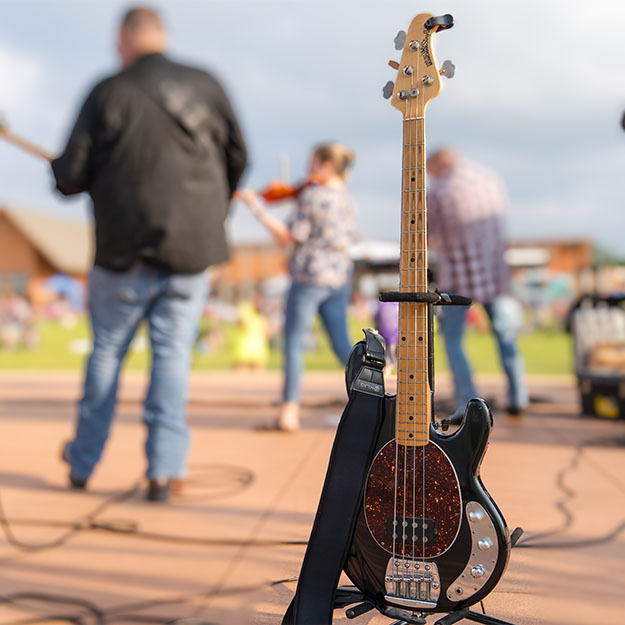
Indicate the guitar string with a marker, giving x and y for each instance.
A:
(425, 324)
(421, 260)
(395, 529)
(412, 174)
(422, 281)
(405, 200)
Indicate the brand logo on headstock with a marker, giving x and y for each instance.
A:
(425, 48)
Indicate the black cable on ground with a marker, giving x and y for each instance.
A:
(75, 527)
(129, 527)
(93, 615)
(536, 541)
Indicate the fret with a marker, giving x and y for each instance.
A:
(411, 118)
(412, 145)
(413, 190)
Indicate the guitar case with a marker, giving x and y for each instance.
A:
(352, 453)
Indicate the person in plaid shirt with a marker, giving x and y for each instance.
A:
(466, 204)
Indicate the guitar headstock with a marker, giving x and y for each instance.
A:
(418, 76)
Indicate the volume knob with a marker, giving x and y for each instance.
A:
(484, 543)
(479, 570)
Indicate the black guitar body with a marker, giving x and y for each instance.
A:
(451, 541)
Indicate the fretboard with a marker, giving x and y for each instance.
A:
(413, 412)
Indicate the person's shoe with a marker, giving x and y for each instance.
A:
(288, 419)
(162, 490)
(176, 486)
(515, 411)
(79, 483)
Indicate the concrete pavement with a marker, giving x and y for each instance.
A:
(211, 555)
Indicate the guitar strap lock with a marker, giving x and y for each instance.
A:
(375, 349)
(365, 366)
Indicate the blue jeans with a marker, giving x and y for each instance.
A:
(452, 327)
(118, 302)
(303, 302)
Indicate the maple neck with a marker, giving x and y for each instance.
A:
(413, 411)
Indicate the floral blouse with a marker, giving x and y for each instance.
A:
(324, 226)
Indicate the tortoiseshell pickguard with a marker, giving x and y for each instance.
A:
(426, 489)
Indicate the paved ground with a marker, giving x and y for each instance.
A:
(249, 488)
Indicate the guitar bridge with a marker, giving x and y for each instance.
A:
(412, 584)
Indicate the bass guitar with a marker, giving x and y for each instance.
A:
(403, 511)
(428, 537)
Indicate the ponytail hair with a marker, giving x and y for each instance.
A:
(340, 156)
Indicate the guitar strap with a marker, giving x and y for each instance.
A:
(351, 456)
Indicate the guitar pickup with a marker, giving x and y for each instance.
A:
(411, 530)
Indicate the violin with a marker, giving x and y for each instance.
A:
(278, 190)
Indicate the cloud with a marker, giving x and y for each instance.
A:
(21, 77)
(536, 96)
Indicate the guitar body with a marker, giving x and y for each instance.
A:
(461, 553)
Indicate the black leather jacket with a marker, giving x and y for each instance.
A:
(160, 152)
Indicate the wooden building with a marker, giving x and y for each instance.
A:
(35, 246)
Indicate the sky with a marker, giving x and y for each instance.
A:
(538, 96)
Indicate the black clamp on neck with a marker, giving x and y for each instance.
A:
(429, 297)
(442, 22)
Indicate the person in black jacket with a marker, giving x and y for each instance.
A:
(159, 150)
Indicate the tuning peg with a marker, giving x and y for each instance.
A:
(448, 69)
(387, 90)
(400, 39)
(394, 64)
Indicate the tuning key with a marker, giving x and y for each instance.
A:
(387, 90)
(394, 64)
(400, 39)
(448, 69)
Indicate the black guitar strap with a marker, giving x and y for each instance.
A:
(351, 456)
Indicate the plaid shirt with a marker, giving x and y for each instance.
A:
(465, 210)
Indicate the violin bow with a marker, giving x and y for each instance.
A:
(8, 135)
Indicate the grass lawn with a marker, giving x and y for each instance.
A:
(545, 352)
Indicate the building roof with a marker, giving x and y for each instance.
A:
(65, 243)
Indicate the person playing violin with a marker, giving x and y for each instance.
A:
(320, 231)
